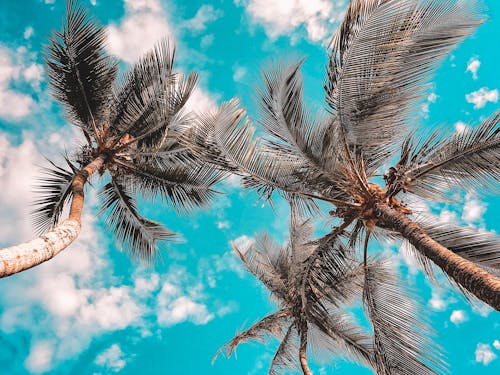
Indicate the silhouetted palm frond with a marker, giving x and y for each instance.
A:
(381, 59)
(55, 191)
(151, 97)
(137, 236)
(80, 73)
(184, 185)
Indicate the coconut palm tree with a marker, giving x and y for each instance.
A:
(311, 300)
(130, 127)
(380, 62)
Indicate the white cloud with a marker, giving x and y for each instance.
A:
(437, 303)
(482, 97)
(458, 316)
(461, 127)
(28, 32)
(223, 224)
(182, 309)
(243, 243)
(484, 354)
(112, 358)
(239, 72)
(473, 66)
(207, 40)
(50, 1)
(283, 17)
(13, 105)
(432, 98)
(144, 25)
(496, 344)
(200, 101)
(40, 357)
(473, 209)
(204, 15)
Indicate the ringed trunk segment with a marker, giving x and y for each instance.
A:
(476, 280)
(21, 257)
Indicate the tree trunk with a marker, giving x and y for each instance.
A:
(21, 257)
(476, 280)
(303, 350)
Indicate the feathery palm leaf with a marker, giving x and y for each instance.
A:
(471, 160)
(381, 59)
(55, 189)
(402, 339)
(137, 235)
(185, 186)
(80, 73)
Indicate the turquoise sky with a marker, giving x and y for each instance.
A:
(93, 311)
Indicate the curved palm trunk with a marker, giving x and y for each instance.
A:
(21, 257)
(476, 280)
(303, 352)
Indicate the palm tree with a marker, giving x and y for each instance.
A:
(312, 299)
(131, 127)
(380, 61)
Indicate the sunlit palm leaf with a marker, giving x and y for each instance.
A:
(402, 339)
(470, 159)
(381, 60)
(55, 190)
(138, 236)
(80, 73)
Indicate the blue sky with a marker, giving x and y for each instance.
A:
(93, 311)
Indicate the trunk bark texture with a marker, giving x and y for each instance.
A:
(21, 257)
(476, 280)
(303, 352)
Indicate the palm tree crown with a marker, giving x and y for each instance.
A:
(380, 62)
(313, 297)
(131, 127)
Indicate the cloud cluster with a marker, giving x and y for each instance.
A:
(484, 354)
(284, 17)
(482, 97)
(17, 67)
(76, 297)
(473, 66)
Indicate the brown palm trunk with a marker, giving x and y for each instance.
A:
(21, 257)
(476, 280)
(303, 351)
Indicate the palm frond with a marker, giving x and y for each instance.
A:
(272, 325)
(267, 261)
(80, 73)
(436, 164)
(286, 357)
(137, 235)
(381, 59)
(402, 339)
(478, 246)
(337, 333)
(151, 97)
(55, 191)
(184, 185)
(284, 116)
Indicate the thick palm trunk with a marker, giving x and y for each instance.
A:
(21, 257)
(303, 351)
(476, 280)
